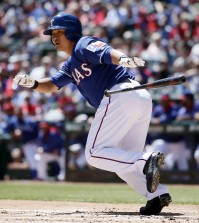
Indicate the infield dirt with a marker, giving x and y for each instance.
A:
(53, 211)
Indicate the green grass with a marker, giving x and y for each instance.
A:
(88, 192)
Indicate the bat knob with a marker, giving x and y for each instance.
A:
(106, 93)
(183, 79)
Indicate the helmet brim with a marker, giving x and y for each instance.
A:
(49, 31)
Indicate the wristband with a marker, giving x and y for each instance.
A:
(126, 61)
(123, 56)
(36, 84)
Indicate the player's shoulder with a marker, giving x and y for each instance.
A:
(88, 44)
(86, 40)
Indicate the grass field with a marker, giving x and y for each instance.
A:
(89, 192)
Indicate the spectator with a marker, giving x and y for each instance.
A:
(67, 104)
(7, 112)
(28, 108)
(192, 72)
(77, 143)
(188, 112)
(18, 161)
(44, 70)
(172, 144)
(193, 77)
(13, 69)
(196, 152)
(189, 107)
(77, 159)
(155, 52)
(115, 19)
(164, 112)
(24, 130)
(49, 150)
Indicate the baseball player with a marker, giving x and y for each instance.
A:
(117, 135)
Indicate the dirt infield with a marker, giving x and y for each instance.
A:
(51, 211)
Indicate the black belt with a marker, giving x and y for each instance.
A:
(125, 80)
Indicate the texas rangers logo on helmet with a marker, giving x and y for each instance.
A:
(51, 22)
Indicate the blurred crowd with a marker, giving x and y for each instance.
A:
(164, 33)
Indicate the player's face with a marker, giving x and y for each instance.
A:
(59, 39)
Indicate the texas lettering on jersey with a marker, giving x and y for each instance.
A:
(83, 69)
(79, 75)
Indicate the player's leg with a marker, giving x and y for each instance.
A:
(158, 199)
(137, 180)
(113, 120)
(117, 137)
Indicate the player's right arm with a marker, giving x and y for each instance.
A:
(44, 85)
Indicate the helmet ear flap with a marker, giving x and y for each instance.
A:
(69, 35)
(72, 35)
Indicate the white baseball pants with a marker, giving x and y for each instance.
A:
(117, 137)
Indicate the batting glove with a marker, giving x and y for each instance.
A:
(131, 62)
(25, 81)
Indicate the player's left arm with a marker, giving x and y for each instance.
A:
(96, 51)
(119, 58)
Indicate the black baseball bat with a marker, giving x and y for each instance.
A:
(155, 84)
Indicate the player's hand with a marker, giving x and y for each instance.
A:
(24, 81)
(131, 62)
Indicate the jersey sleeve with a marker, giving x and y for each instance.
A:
(94, 50)
(63, 76)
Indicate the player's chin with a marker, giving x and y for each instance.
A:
(60, 50)
(58, 47)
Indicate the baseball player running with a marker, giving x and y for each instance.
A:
(117, 135)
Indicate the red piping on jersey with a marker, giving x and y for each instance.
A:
(100, 124)
(99, 157)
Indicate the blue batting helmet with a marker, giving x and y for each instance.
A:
(71, 24)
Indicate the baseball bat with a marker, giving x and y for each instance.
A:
(155, 84)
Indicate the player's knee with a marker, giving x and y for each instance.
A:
(89, 158)
(196, 155)
(91, 161)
